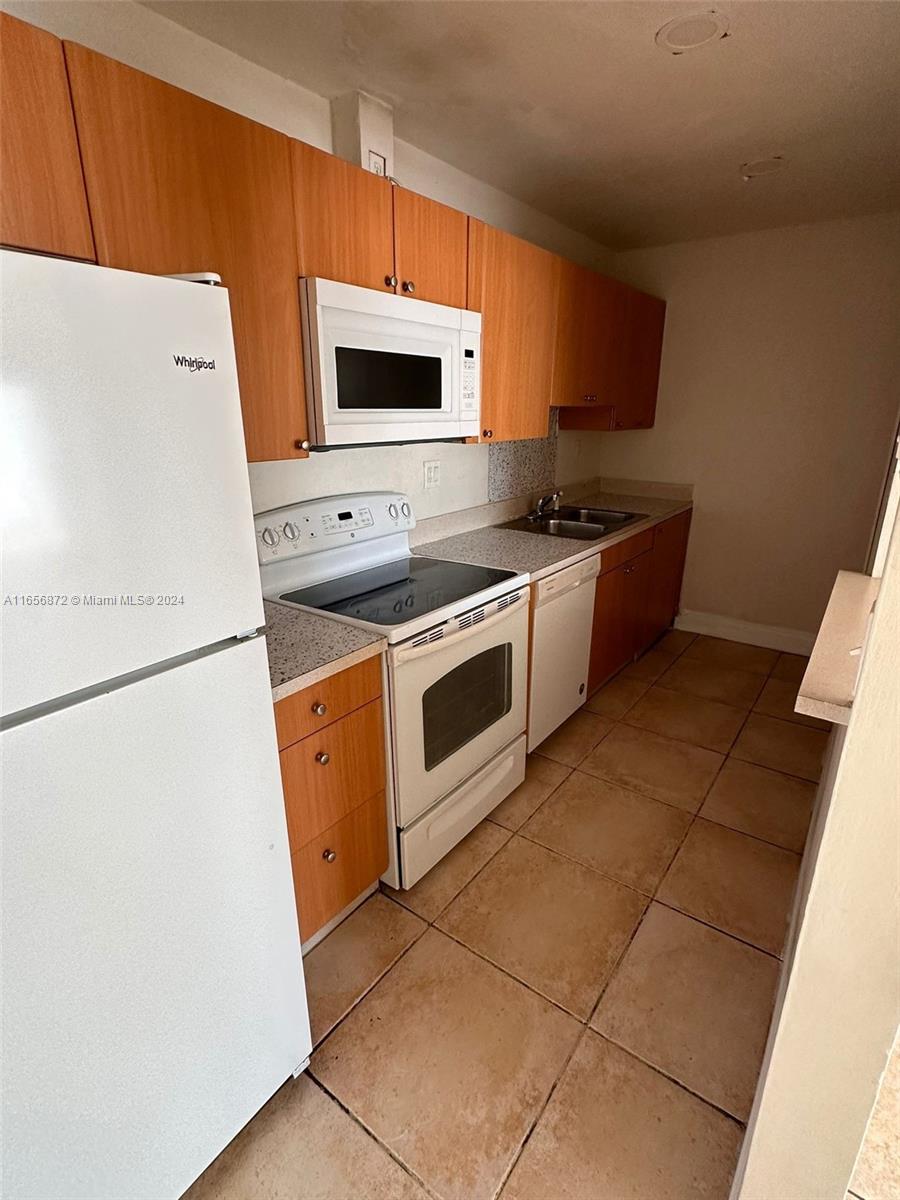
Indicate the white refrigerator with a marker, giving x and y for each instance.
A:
(153, 994)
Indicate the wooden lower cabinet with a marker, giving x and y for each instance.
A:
(333, 775)
(637, 595)
(332, 869)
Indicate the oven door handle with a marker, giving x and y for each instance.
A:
(409, 652)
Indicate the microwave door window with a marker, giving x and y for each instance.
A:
(387, 381)
(465, 702)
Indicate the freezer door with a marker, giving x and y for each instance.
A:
(152, 979)
(123, 474)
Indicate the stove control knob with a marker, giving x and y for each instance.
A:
(405, 509)
(270, 537)
(392, 511)
(291, 532)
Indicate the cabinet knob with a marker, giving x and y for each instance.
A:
(323, 757)
(320, 709)
(487, 433)
(391, 281)
(409, 286)
(304, 445)
(329, 855)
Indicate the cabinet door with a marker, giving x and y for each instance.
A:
(42, 202)
(638, 584)
(666, 572)
(176, 185)
(638, 355)
(515, 286)
(430, 249)
(589, 312)
(612, 635)
(344, 220)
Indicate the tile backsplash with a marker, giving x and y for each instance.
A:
(517, 468)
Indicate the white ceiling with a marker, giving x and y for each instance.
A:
(574, 109)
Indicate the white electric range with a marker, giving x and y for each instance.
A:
(456, 664)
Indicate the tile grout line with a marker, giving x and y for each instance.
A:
(375, 1138)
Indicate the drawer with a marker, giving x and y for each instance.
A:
(623, 551)
(315, 707)
(332, 772)
(341, 862)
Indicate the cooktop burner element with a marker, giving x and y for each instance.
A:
(398, 591)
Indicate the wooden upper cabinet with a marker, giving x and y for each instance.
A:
(430, 249)
(589, 307)
(515, 286)
(42, 200)
(176, 185)
(344, 220)
(638, 354)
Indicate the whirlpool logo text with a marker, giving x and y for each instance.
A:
(194, 364)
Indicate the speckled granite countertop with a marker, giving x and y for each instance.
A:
(304, 647)
(539, 554)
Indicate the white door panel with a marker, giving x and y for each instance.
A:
(123, 474)
(153, 986)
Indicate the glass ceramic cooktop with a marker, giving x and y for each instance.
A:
(399, 591)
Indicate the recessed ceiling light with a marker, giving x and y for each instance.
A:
(761, 166)
(690, 33)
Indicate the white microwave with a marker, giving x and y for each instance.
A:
(386, 368)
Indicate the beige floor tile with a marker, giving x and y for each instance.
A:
(542, 776)
(687, 718)
(737, 655)
(447, 878)
(615, 1129)
(695, 1003)
(676, 641)
(777, 700)
(649, 666)
(737, 883)
(764, 803)
(877, 1174)
(781, 745)
(790, 667)
(552, 923)
(575, 738)
(615, 698)
(303, 1146)
(353, 956)
(448, 1061)
(656, 766)
(626, 836)
(712, 682)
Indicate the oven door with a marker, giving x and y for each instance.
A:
(455, 703)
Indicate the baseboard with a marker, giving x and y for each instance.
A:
(775, 637)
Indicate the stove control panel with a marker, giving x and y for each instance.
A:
(333, 521)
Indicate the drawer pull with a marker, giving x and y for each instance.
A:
(329, 855)
(320, 709)
(323, 757)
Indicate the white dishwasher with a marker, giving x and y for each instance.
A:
(562, 615)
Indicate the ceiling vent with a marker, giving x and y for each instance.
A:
(761, 166)
(690, 33)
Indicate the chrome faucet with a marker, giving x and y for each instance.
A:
(545, 502)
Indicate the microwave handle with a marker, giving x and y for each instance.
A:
(409, 652)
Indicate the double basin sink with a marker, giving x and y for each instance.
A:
(588, 524)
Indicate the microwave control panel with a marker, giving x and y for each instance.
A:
(470, 359)
(315, 525)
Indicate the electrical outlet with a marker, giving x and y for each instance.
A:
(432, 474)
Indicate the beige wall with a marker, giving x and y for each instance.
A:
(778, 396)
(838, 1009)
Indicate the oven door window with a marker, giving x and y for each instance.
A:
(465, 702)
(386, 380)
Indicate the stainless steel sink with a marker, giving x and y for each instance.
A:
(586, 524)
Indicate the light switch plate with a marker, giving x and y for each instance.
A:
(432, 474)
